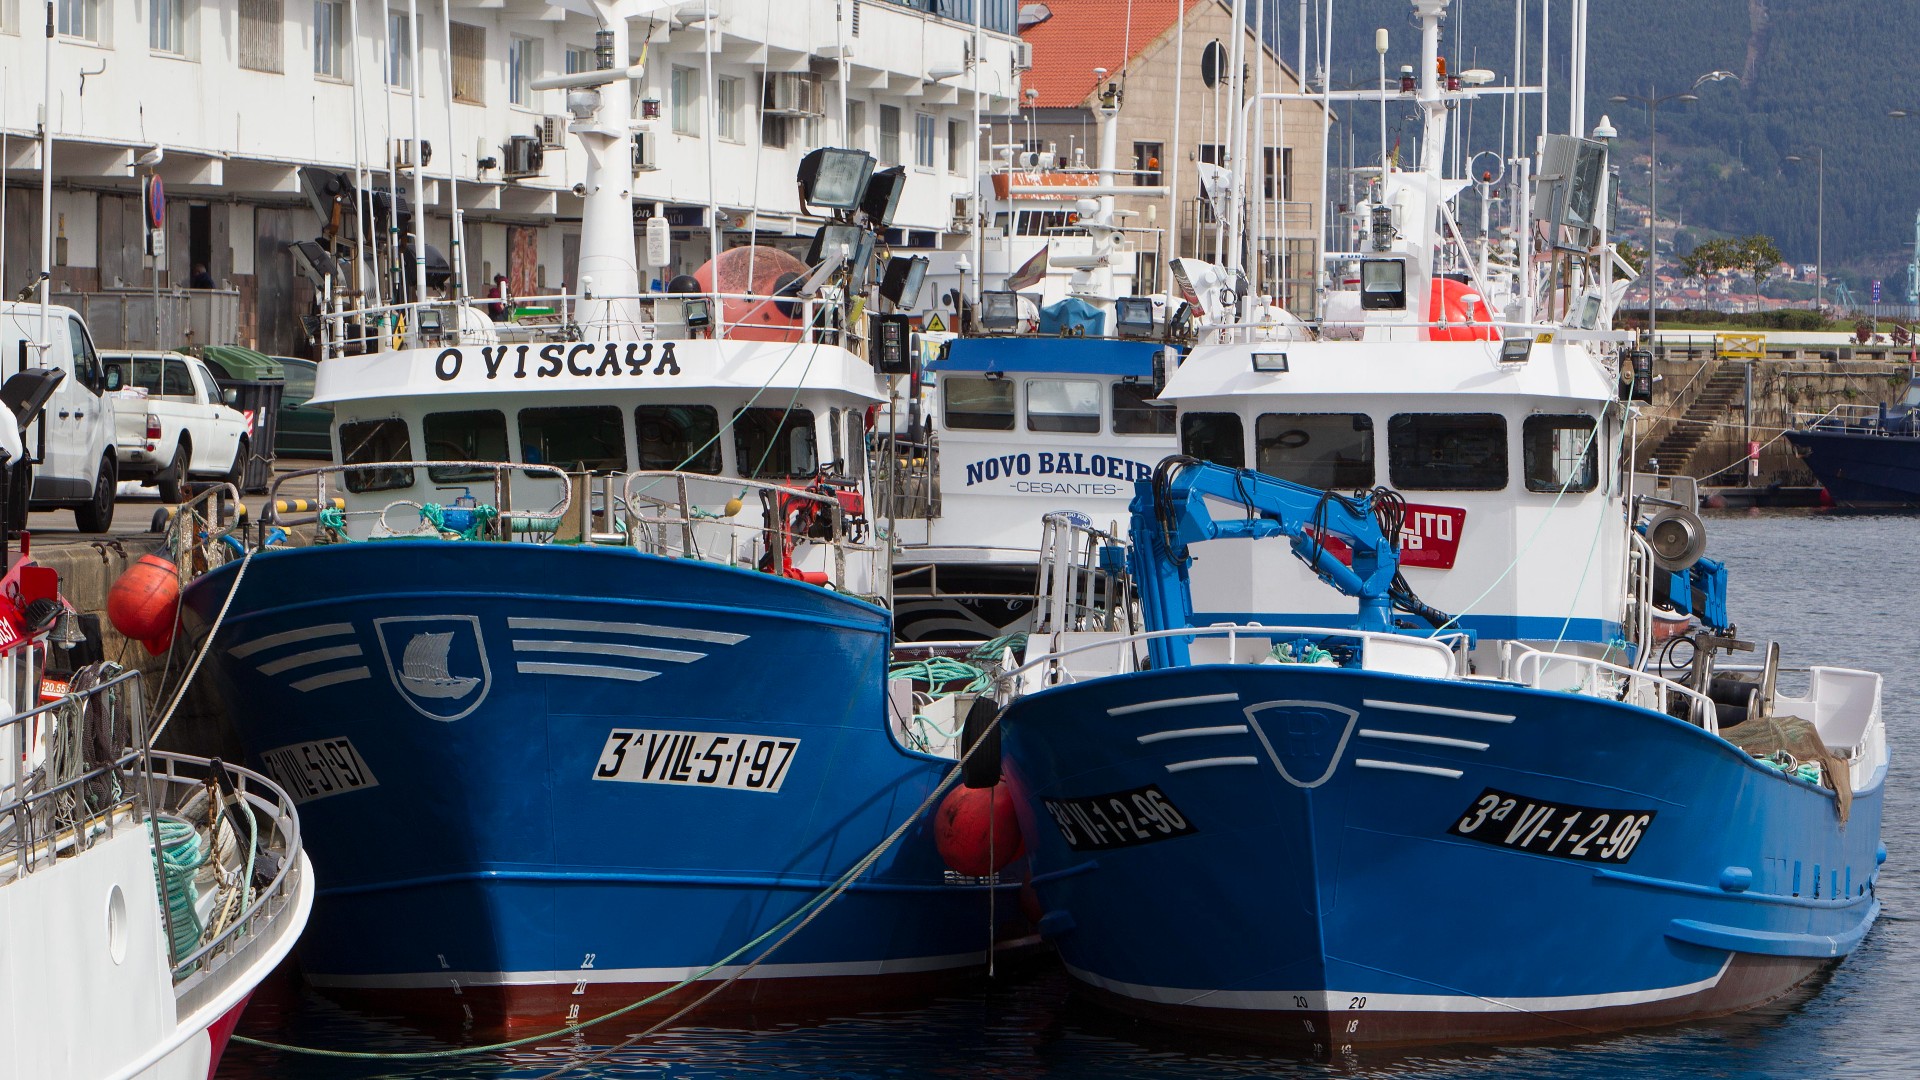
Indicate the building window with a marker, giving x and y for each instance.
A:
(1279, 176)
(1146, 164)
(686, 101)
(924, 140)
(167, 25)
(1448, 451)
(856, 125)
(578, 60)
(79, 19)
(261, 29)
(399, 51)
(726, 109)
(469, 64)
(957, 144)
(889, 152)
(523, 66)
(773, 130)
(1333, 451)
(330, 39)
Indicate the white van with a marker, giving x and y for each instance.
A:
(71, 446)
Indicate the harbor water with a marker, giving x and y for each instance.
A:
(1831, 588)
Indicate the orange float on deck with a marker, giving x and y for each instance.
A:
(977, 829)
(1456, 302)
(145, 602)
(755, 320)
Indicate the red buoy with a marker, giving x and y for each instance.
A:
(977, 829)
(145, 602)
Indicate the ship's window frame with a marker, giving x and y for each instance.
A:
(1540, 464)
(430, 438)
(970, 418)
(1073, 417)
(543, 415)
(700, 450)
(1189, 422)
(360, 448)
(752, 441)
(1276, 434)
(1437, 436)
(1127, 417)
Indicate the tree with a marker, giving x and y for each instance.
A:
(1754, 254)
(1635, 257)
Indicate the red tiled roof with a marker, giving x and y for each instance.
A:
(1086, 34)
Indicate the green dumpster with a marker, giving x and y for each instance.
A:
(257, 381)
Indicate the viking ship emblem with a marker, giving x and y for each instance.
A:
(441, 669)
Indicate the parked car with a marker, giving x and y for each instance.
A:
(306, 430)
(67, 457)
(174, 423)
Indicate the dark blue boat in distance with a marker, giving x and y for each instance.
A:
(1866, 457)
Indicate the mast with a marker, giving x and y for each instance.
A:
(46, 191)
(454, 220)
(419, 177)
(601, 104)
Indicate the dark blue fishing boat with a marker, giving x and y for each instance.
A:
(1866, 457)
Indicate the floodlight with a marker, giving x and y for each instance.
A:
(699, 313)
(1383, 284)
(883, 196)
(1270, 363)
(1133, 316)
(833, 239)
(901, 282)
(834, 178)
(860, 272)
(1515, 350)
(1000, 310)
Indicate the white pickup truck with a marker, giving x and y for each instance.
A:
(173, 422)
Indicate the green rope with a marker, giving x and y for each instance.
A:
(1308, 653)
(939, 672)
(182, 853)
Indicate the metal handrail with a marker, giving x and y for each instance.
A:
(282, 817)
(499, 469)
(687, 519)
(1233, 630)
(1703, 712)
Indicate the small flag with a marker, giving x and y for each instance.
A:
(1029, 275)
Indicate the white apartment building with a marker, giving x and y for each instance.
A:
(239, 94)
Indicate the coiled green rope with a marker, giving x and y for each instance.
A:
(182, 853)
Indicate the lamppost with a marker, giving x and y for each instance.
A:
(1653, 103)
(1820, 222)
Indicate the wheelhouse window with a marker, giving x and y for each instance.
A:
(678, 438)
(577, 438)
(1215, 437)
(474, 435)
(1323, 450)
(772, 443)
(977, 404)
(1064, 405)
(1134, 412)
(1558, 452)
(363, 442)
(1448, 451)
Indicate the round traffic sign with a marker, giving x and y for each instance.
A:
(156, 202)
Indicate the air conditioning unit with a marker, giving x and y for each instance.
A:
(794, 94)
(1023, 56)
(553, 133)
(521, 157)
(643, 153)
(403, 153)
(962, 215)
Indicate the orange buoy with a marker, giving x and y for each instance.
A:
(1463, 309)
(145, 602)
(977, 830)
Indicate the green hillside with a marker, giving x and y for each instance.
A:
(1816, 76)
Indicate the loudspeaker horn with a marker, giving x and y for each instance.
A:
(1678, 538)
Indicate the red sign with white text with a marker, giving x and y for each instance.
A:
(1429, 537)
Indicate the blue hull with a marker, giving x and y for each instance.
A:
(1863, 468)
(540, 781)
(1337, 859)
